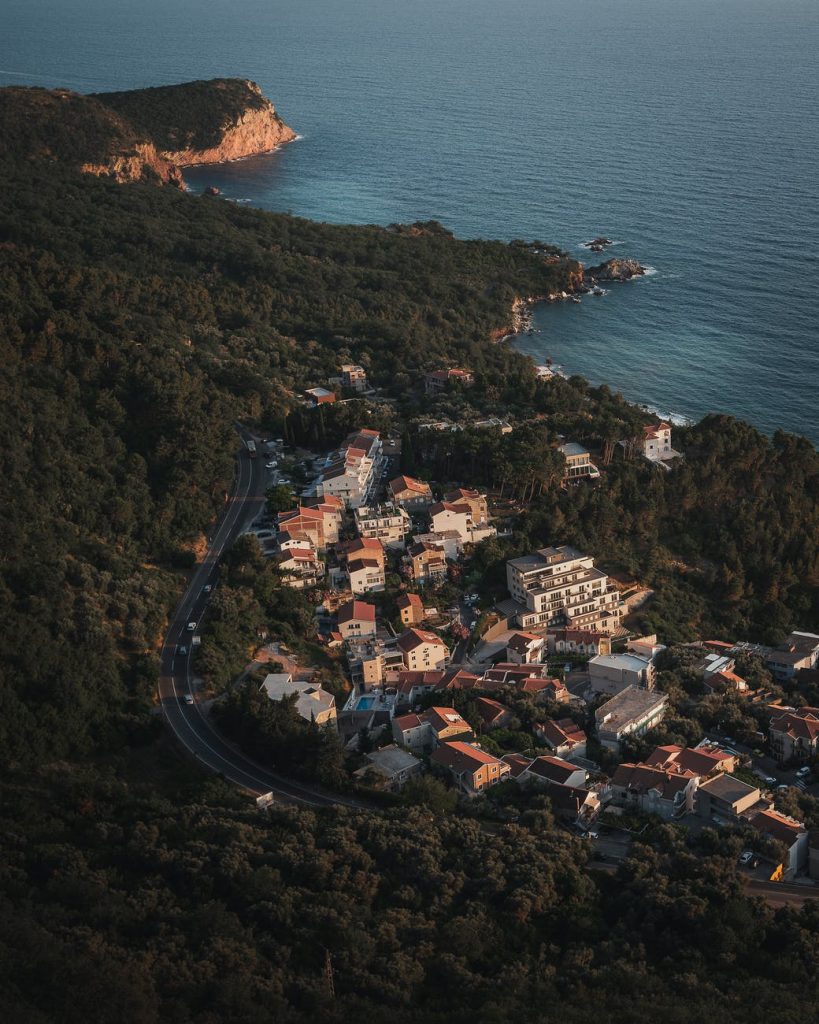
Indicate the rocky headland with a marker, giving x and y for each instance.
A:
(615, 270)
(142, 134)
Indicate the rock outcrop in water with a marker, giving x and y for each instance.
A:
(616, 270)
(144, 134)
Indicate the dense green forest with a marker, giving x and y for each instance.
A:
(136, 324)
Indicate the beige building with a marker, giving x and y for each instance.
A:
(300, 568)
(319, 524)
(439, 380)
(353, 550)
(631, 713)
(422, 650)
(657, 442)
(471, 768)
(445, 516)
(373, 662)
(387, 523)
(313, 703)
(427, 562)
(724, 797)
(794, 735)
(356, 619)
(666, 793)
(478, 505)
(559, 586)
(411, 609)
(410, 493)
(611, 673)
(578, 462)
(352, 472)
(525, 648)
(429, 729)
(354, 376)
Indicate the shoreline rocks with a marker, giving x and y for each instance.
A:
(615, 270)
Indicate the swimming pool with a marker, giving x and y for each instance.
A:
(365, 703)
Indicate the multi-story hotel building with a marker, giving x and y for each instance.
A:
(559, 586)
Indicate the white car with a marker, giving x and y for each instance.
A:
(272, 464)
(188, 699)
(803, 772)
(207, 588)
(746, 856)
(191, 627)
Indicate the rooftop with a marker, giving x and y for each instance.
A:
(630, 704)
(726, 787)
(392, 759)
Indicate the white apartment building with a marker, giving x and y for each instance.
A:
(445, 516)
(388, 523)
(559, 586)
(351, 473)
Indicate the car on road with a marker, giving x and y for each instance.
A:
(782, 789)
(191, 627)
(769, 780)
(803, 773)
(271, 465)
(746, 858)
(591, 835)
(207, 588)
(187, 698)
(182, 650)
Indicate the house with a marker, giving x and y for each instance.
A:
(588, 642)
(790, 833)
(366, 575)
(356, 619)
(578, 462)
(352, 723)
(657, 442)
(459, 679)
(353, 376)
(559, 586)
(631, 712)
(352, 472)
(300, 568)
(714, 661)
(410, 609)
(411, 494)
(668, 794)
(794, 734)
(611, 673)
(705, 760)
(439, 380)
(425, 731)
(531, 679)
(387, 523)
(319, 524)
(478, 505)
(576, 804)
(449, 541)
(518, 763)
(374, 661)
(553, 771)
(427, 562)
(313, 703)
(319, 396)
(422, 650)
(524, 648)
(800, 651)
(724, 681)
(493, 714)
(471, 768)
(411, 686)
(445, 515)
(563, 737)
(354, 550)
(395, 766)
(492, 423)
(724, 797)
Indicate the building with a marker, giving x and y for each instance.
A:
(657, 442)
(387, 523)
(559, 586)
(353, 377)
(631, 713)
(410, 609)
(300, 568)
(313, 703)
(449, 541)
(445, 516)
(319, 396)
(790, 833)
(493, 714)
(794, 735)
(374, 661)
(705, 760)
(318, 524)
(587, 642)
(356, 619)
(354, 550)
(799, 652)
(611, 673)
(524, 648)
(553, 771)
(532, 679)
(440, 380)
(427, 562)
(352, 472)
(668, 794)
(478, 505)
(411, 494)
(578, 462)
(366, 575)
(725, 798)
(412, 686)
(422, 650)
(394, 765)
(563, 737)
(429, 729)
(724, 682)
(471, 768)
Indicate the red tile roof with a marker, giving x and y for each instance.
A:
(490, 710)
(412, 638)
(555, 769)
(356, 610)
(779, 826)
(800, 724)
(408, 483)
(561, 733)
(409, 601)
(463, 757)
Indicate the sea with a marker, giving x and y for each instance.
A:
(686, 132)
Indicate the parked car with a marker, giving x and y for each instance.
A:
(770, 780)
(182, 650)
(803, 772)
(207, 588)
(191, 627)
(782, 789)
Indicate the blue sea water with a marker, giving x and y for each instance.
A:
(686, 131)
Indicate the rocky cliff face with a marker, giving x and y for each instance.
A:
(143, 163)
(255, 130)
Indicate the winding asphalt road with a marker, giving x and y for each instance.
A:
(189, 722)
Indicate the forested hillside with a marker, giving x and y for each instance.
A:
(135, 325)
